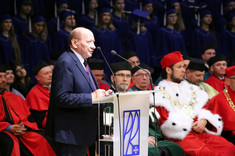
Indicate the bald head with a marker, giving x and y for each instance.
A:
(78, 33)
(82, 41)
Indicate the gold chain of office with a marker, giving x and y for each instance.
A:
(229, 99)
(187, 109)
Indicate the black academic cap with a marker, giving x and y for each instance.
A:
(139, 14)
(4, 17)
(96, 64)
(120, 66)
(8, 67)
(196, 64)
(142, 65)
(207, 46)
(65, 14)
(128, 54)
(185, 57)
(215, 59)
(2, 68)
(24, 2)
(38, 18)
(39, 66)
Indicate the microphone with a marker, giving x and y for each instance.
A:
(113, 52)
(114, 79)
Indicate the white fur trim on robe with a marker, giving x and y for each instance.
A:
(177, 126)
(213, 119)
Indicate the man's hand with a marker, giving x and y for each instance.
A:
(199, 126)
(18, 129)
(100, 93)
(152, 141)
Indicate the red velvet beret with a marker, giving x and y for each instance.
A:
(230, 71)
(171, 59)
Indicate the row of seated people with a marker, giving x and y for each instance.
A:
(152, 37)
(38, 101)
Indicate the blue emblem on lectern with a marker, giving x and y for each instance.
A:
(131, 132)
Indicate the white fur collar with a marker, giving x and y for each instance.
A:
(182, 93)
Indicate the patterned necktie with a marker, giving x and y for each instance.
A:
(86, 66)
(89, 74)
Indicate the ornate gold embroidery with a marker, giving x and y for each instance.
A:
(229, 99)
(187, 109)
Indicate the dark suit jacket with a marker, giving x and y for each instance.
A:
(72, 119)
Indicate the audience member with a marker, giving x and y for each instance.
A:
(152, 22)
(182, 117)
(97, 68)
(106, 35)
(122, 72)
(132, 57)
(208, 51)
(10, 78)
(223, 104)
(195, 73)
(228, 38)
(89, 19)
(164, 147)
(61, 38)
(170, 39)
(54, 24)
(18, 130)
(204, 34)
(36, 45)
(39, 96)
(120, 20)
(72, 118)
(21, 20)
(140, 39)
(22, 81)
(140, 78)
(9, 46)
(217, 66)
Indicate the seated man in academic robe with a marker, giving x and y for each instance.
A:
(97, 68)
(217, 66)
(19, 134)
(183, 119)
(223, 104)
(157, 145)
(194, 74)
(39, 96)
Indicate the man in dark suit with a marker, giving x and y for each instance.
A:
(72, 119)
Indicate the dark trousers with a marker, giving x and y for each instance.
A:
(6, 146)
(70, 150)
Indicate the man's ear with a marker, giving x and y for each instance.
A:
(37, 77)
(74, 42)
(111, 78)
(168, 70)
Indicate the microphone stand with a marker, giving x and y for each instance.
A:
(151, 82)
(114, 79)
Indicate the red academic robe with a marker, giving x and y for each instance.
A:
(103, 85)
(216, 83)
(19, 112)
(196, 144)
(38, 99)
(220, 105)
